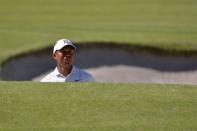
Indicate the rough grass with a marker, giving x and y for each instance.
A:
(27, 25)
(97, 107)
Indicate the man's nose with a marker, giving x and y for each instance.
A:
(68, 55)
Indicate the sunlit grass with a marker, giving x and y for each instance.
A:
(83, 107)
(27, 25)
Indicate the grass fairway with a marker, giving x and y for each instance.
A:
(27, 106)
(32, 24)
(27, 25)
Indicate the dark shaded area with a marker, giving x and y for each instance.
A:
(30, 65)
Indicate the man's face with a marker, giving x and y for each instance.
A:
(64, 57)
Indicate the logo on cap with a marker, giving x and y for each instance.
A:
(66, 41)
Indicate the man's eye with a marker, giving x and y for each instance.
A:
(66, 52)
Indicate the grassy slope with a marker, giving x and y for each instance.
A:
(26, 25)
(82, 107)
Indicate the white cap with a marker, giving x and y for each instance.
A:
(62, 43)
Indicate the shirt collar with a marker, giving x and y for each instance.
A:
(57, 73)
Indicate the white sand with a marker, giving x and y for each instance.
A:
(129, 74)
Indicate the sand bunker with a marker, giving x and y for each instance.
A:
(111, 65)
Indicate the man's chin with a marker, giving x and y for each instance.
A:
(67, 64)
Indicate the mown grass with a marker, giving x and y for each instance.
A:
(33, 24)
(27, 25)
(105, 107)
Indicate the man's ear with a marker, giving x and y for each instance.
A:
(54, 56)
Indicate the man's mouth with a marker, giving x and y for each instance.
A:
(67, 59)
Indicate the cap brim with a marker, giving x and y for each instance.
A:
(74, 47)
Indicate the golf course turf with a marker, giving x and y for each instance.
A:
(31, 25)
(36, 24)
(88, 106)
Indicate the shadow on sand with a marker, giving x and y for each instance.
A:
(93, 55)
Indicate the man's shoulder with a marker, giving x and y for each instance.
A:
(84, 75)
(48, 78)
(82, 72)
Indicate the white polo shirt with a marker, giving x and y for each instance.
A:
(76, 75)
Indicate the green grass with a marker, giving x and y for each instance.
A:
(27, 25)
(97, 107)
(31, 24)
